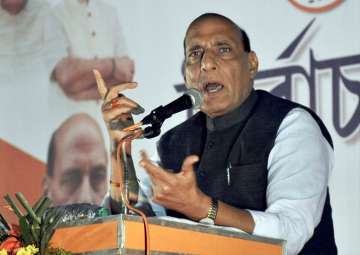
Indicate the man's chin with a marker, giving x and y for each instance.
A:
(213, 106)
(211, 112)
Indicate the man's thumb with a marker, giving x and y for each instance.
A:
(188, 164)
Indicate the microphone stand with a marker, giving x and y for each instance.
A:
(124, 186)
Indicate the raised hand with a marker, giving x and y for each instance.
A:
(117, 108)
(177, 191)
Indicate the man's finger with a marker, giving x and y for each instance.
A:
(188, 163)
(123, 101)
(100, 84)
(116, 89)
(122, 115)
(156, 173)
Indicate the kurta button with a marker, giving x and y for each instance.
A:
(93, 33)
(89, 14)
(211, 144)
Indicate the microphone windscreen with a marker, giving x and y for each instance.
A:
(196, 97)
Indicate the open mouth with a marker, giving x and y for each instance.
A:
(213, 87)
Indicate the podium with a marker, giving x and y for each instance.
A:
(124, 234)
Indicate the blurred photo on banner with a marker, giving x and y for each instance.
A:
(48, 51)
(77, 163)
(31, 43)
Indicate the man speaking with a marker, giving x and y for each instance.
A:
(248, 159)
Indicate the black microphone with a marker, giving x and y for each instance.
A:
(192, 98)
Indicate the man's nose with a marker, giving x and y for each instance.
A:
(85, 192)
(208, 61)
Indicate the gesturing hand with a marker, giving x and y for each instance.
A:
(116, 107)
(177, 191)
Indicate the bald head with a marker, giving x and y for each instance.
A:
(78, 131)
(77, 162)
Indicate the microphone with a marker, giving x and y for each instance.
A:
(192, 98)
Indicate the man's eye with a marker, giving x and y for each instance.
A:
(195, 54)
(71, 180)
(98, 176)
(224, 49)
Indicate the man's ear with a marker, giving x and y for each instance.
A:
(183, 72)
(253, 64)
(186, 82)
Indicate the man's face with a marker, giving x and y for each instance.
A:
(13, 7)
(80, 170)
(217, 65)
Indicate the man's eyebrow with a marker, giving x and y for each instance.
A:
(222, 43)
(72, 171)
(194, 47)
(99, 167)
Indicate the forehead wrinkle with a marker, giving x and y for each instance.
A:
(237, 35)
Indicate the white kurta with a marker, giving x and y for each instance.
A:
(31, 43)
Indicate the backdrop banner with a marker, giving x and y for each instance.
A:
(309, 52)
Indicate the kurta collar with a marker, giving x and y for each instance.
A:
(235, 116)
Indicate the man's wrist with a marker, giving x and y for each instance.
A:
(211, 213)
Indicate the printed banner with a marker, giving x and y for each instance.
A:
(53, 139)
